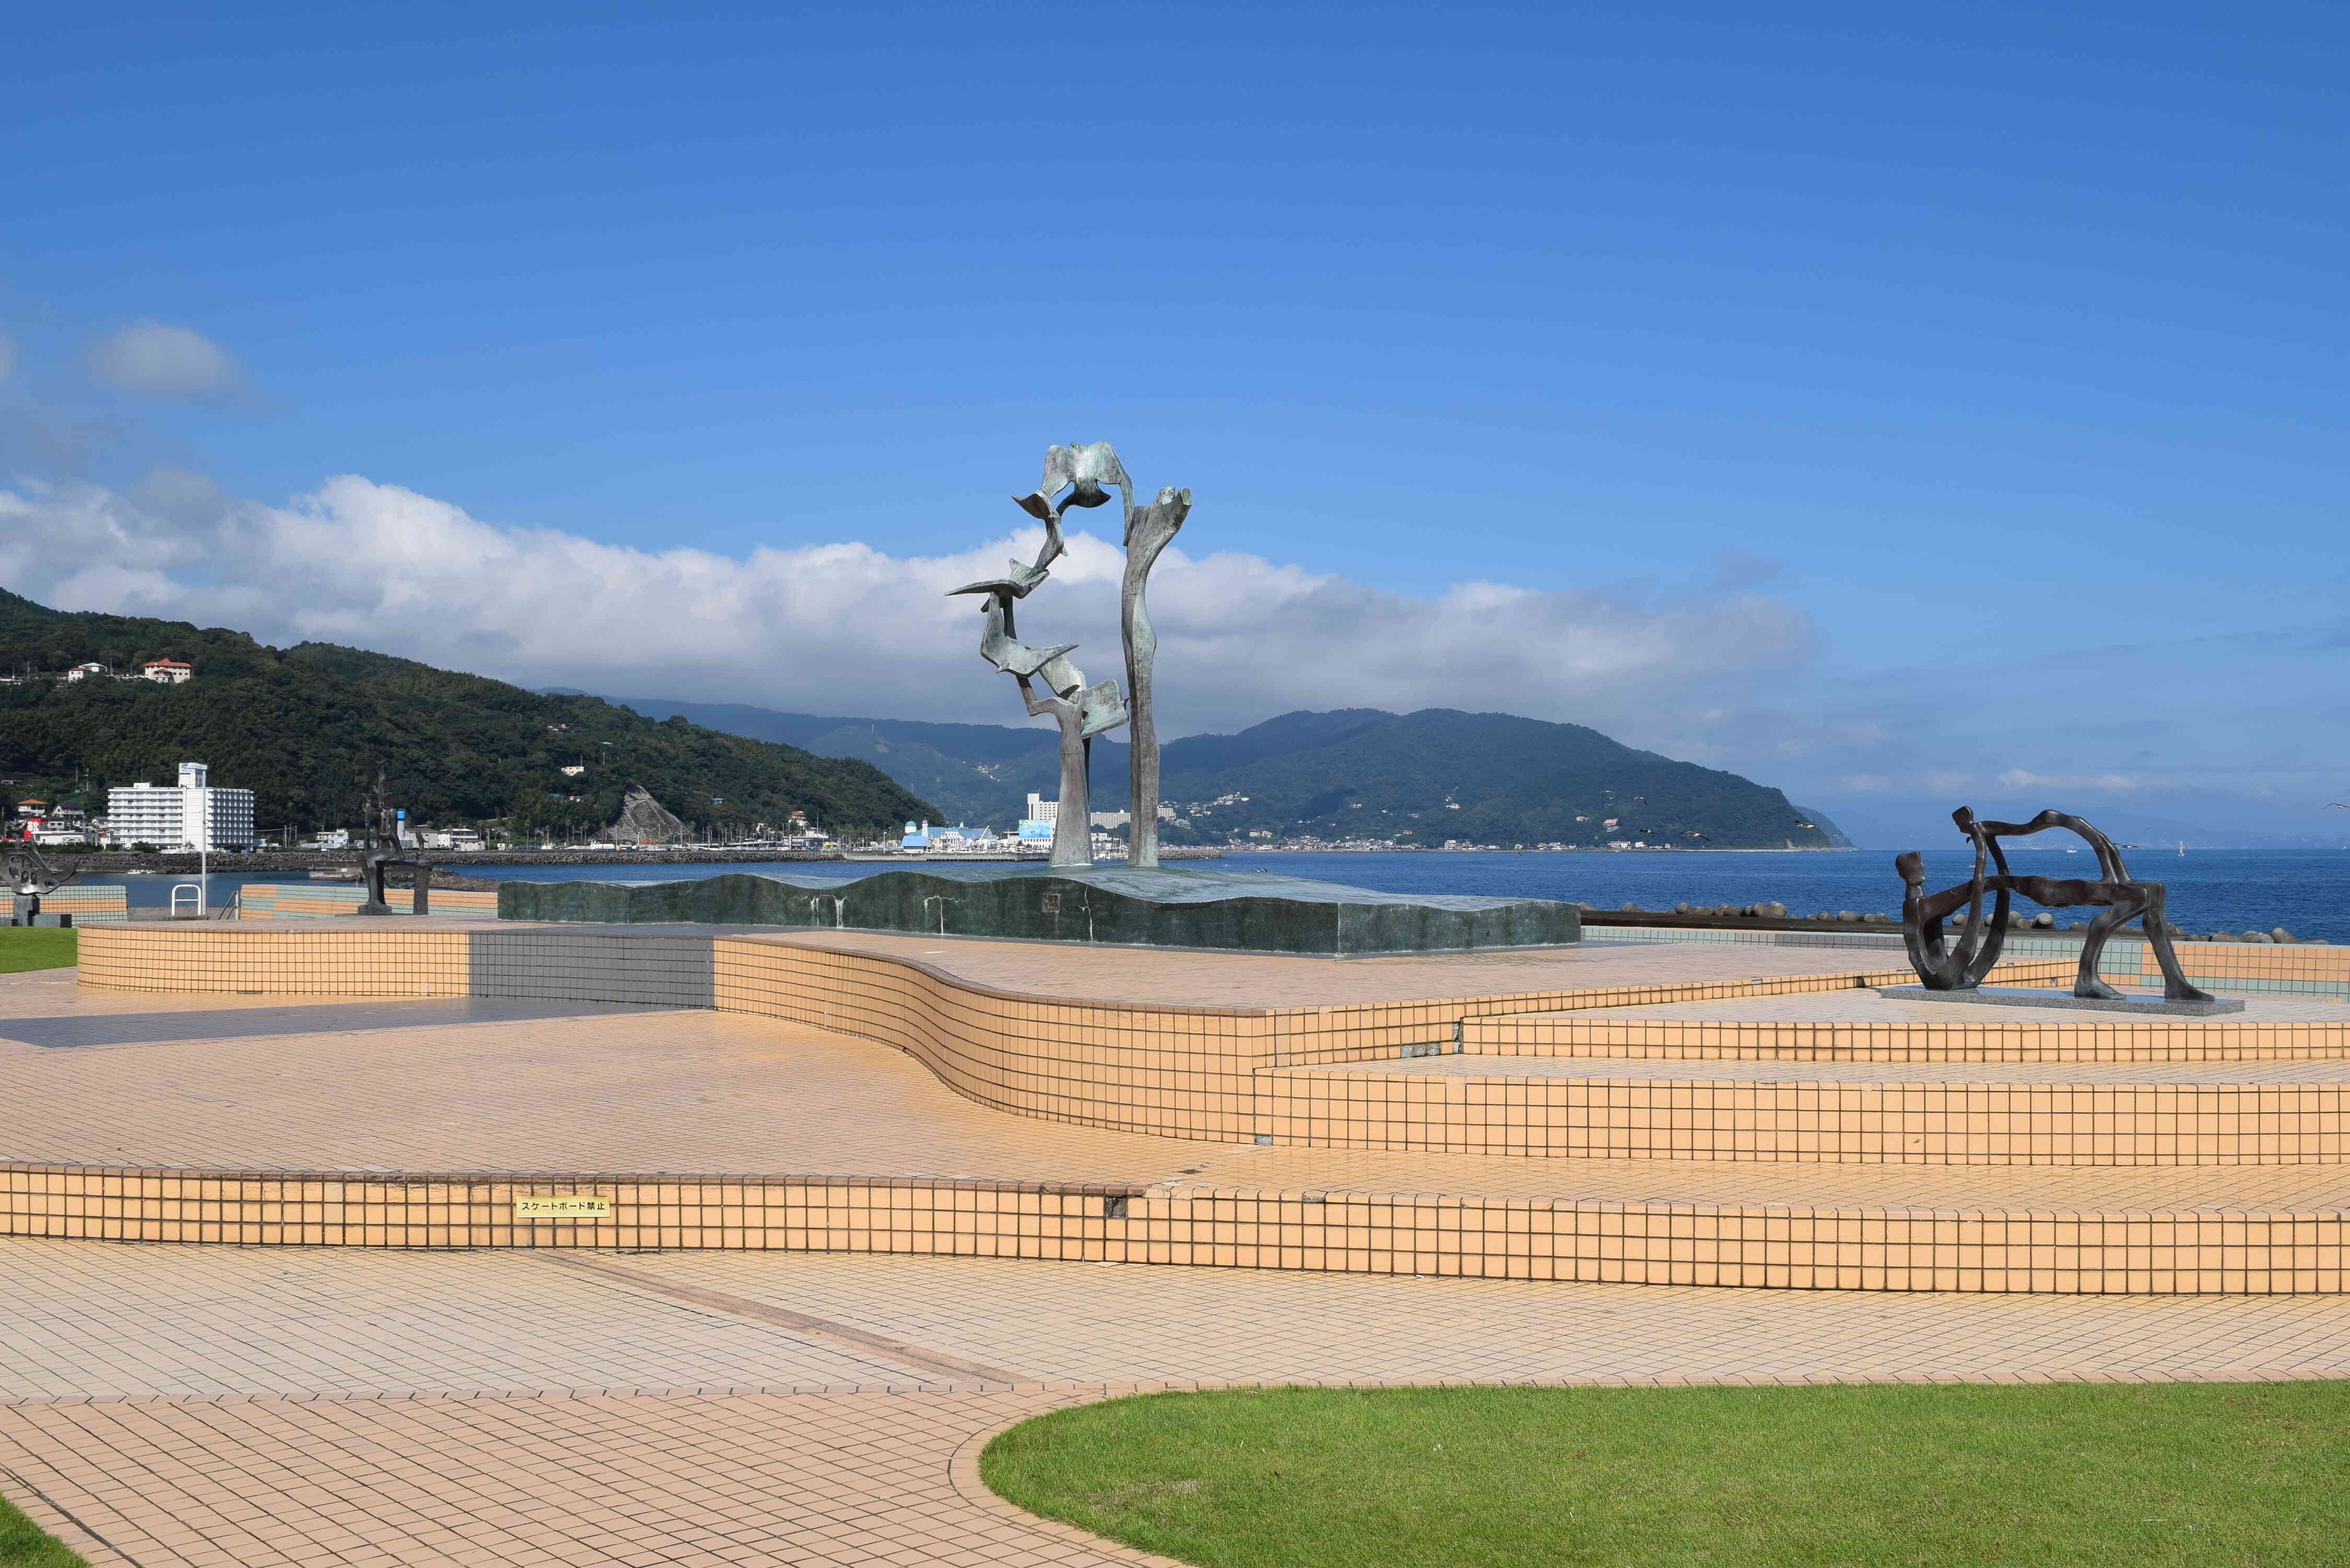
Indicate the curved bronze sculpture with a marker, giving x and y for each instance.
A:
(1083, 711)
(28, 874)
(385, 851)
(2118, 898)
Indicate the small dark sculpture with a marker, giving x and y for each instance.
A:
(386, 851)
(30, 876)
(2117, 899)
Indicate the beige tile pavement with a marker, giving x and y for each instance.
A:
(641, 1089)
(338, 1407)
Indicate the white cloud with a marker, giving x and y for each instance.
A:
(2016, 778)
(160, 360)
(844, 628)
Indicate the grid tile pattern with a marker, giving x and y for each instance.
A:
(88, 903)
(1167, 1068)
(1466, 1106)
(1791, 1246)
(339, 1407)
(313, 900)
(1200, 1070)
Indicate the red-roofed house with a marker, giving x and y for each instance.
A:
(168, 670)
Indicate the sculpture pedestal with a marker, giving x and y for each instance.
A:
(2019, 996)
(1237, 911)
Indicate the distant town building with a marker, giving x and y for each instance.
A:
(34, 809)
(169, 671)
(1036, 827)
(84, 672)
(194, 815)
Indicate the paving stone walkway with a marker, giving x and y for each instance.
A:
(264, 1406)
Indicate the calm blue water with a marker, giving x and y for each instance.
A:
(2307, 891)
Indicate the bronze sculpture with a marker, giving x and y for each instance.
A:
(29, 875)
(1083, 711)
(2118, 898)
(384, 851)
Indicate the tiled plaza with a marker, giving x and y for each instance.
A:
(873, 1198)
(328, 1406)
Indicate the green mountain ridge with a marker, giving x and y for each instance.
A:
(1513, 780)
(303, 728)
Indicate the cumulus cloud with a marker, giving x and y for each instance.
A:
(845, 628)
(2017, 778)
(157, 360)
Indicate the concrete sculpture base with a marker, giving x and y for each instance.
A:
(1145, 906)
(2017, 996)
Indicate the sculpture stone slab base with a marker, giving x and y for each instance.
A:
(1232, 911)
(2019, 996)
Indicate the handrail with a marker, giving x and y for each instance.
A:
(194, 888)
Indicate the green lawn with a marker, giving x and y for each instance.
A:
(1969, 1477)
(36, 946)
(23, 1546)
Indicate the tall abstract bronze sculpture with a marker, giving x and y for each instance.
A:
(1148, 531)
(1083, 711)
(2118, 898)
(385, 851)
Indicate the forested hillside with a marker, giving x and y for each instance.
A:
(304, 727)
(1483, 778)
(1424, 777)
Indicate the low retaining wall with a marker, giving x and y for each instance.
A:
(2187, 1253)
(1129, 906)
(1179, 1072)
(295, 901)
(90, 904)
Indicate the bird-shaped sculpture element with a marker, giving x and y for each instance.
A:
(1018, 583)
(1101, 707)
(999, 647)
(1087, 468)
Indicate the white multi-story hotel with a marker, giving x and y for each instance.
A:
(192, 817)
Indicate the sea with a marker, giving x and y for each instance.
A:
(2307, 891)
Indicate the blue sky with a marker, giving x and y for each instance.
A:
(1880, 405)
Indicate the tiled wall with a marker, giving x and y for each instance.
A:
(1183, 1072)
(2064, 1037)
(90, 904)
(2156, 1252)
(552, 963)
(313, 900)
(256, 960)
(1834, 1123)
(1200, 1073)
